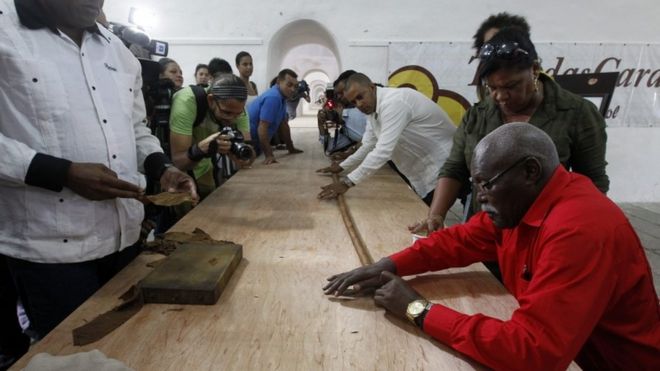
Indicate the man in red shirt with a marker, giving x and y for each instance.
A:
(569, 256)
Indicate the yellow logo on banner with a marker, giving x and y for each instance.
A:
(420, 79)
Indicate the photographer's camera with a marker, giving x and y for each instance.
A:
(238, 146)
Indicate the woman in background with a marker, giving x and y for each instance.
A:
(245, 68)
(517, 91)
(169, 69)
(202, 75)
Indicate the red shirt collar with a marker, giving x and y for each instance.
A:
(547, 198)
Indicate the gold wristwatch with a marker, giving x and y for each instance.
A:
(417, 310)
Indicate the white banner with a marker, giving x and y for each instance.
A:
(442, 71)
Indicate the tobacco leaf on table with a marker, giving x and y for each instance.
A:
(96, 329)
(169, 198)
(171, 240)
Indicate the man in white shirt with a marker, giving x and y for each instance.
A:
(404, 126)
(73, 136)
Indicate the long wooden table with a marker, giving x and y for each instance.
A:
(273, 313)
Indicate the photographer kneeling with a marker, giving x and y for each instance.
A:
(195, 147)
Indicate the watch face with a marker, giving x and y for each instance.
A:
(416, 308)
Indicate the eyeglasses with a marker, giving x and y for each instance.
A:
(226, 115)
(488, 184)
(506, 50)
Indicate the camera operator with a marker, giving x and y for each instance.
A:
(302, 92)
(194, 146)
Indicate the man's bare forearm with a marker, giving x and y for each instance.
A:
(285, 134)
(446, 192)
(264, 141)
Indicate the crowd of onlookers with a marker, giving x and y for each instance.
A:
(527, 161)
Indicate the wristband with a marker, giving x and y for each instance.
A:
(195, 153)
(213, 148)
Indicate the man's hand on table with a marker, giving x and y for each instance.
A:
(341, 156)
(332, 169)
(175, 180)
(332, 190)
(359, 281)
(395, 294)
(430, 224)
(97, 182)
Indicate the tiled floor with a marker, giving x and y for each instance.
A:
(645, 218)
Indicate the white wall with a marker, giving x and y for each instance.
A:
(201, 29)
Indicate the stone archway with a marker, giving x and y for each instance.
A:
(305, 46)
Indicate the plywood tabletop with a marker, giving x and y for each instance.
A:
(273, 314)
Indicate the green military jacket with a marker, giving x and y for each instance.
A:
(574, 124)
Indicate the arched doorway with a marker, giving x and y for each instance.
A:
(308, 48)
(318, 82)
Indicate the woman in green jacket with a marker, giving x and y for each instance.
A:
(519, 92)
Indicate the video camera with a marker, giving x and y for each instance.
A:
(157, 92)
(158, 95)
(330, 105)
(134, 38)
(303, 87)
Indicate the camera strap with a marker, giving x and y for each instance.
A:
(202, 103)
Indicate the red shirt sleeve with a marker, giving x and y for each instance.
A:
(457, 246)
(569, 291)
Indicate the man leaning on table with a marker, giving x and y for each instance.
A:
(74, 141)
(403, 126)
(569, 256)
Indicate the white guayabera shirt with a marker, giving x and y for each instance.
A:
(79, 104)
(409, 129)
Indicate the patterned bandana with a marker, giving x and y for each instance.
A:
(229, 92)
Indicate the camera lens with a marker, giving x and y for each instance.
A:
(242, 151)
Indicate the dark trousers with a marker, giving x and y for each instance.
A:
(13, 342)
(429, 196)
(50, 292)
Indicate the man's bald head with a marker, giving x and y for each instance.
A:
(510, 168)
(517, 140)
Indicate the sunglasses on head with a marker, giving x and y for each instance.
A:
(506, 50)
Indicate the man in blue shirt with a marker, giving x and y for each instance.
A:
(268, 116)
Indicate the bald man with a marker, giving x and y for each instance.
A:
(568, 255)
(404, 126)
